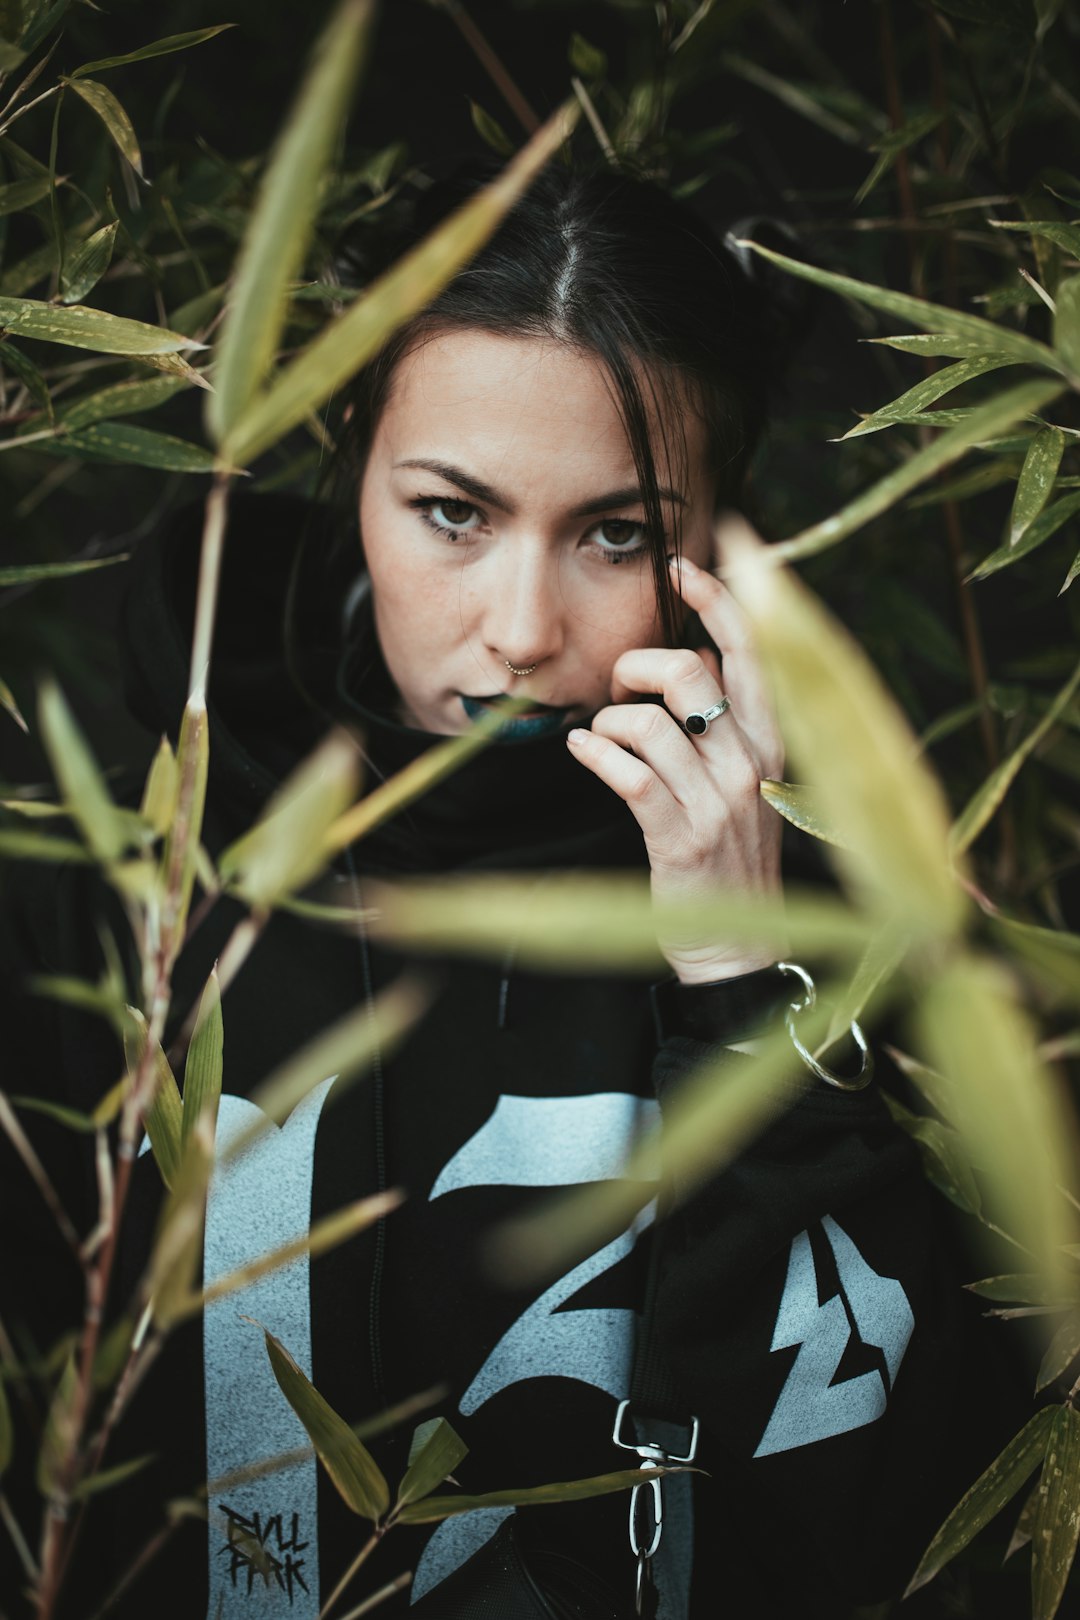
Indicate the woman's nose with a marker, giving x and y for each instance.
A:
(523, 608)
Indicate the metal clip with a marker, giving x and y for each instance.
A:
(647, 1525)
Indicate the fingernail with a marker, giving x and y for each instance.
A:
(576, 737)
(683, 563)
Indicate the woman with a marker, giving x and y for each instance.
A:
(537, 463)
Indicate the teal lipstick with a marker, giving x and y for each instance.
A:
(522, 727)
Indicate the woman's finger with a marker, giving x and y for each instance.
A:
(634, 780)
(648, 731)
(687, 688)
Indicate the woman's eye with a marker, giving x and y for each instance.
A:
(618, 537)
(449, 517)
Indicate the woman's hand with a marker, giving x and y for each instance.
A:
(696, 799)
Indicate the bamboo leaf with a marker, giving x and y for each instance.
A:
(86, 266)
(1055, 1528)
(992, 1491)
(7, 699)
(178, 1242)
(985, 800)
(434, 1460)
(882, 957)
(34, 573)
(202, 1069)
(159, 47)
(127, 444)
(587, 61)
(81, 783)
(941, 1151)
(30, 846)
(22, 367)
(348, 342)
(433, 1508)
(490, 130)
(890, 145)
(70, 1118)
(108, 1478)
(101, 100)
(851, 743)
(1036, 479)
(924, 393)
(1051, 230)
(1069, 577)
(1016, 1288)
(937, 319)
(282, 219)
(180, 856)
(1062, 1351)
(980, 423)
(164, 1112)
(59, 1436)
(24, 193)
(85, 328)
(801, 806)
(1038, 530)
(1067, 325)
(1008, 1105)
(286, 847)
(348, 1462)
(121, 399)
(159, 795)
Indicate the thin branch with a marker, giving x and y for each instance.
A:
(493, 66)
(384, 1592)
(361, 1558)
(22, 1145)
(603, 139)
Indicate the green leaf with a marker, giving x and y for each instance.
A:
(86, 266)
(70, 1118)
(85, 328)
(1067, 325)
(24, 193)
(1074, 569)
(59, 1437)
(490, 130)
(182, 843)
(120, 399)
(7, 702)
(20, 366)
(286, 847)
(1041, 528)
(938, 344)
(1062, 1351)
(1036, 479)
(1016, 1288)
(1055, 1528)
(159, 795)
(430, 1462)
(7, 1432)
(34, 573)
(31, 846)
(10, 56)
(433, 1508)
(985, 800)
(348, 343)
(202, 1070)
(178, 1242)
(587, 61)
(941, 1151)
(103, 998)
(801, 806)
(892, 144)
(81, 783)
(1051, 230)
(883, 956)
(925, 393)
(164, 1112)
(127, 444)
(109, 1478)
(348, 1462)
(284, 214)
(100, 99)
(992, 1491)
(982, 422)
(938, 319)
(1007, 1104)
(159, 47)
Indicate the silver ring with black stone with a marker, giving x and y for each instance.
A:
(696, 725)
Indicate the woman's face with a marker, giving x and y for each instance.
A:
(502, 525)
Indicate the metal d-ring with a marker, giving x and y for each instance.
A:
(841, 1082)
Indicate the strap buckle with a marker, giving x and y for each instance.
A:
(647, 1502)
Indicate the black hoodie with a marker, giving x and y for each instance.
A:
(809, 1308)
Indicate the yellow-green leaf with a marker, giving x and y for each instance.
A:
(433, 1508)
(1015, 1288)
(490, 130)
(24, 193)
(178, 1242)
(992, 1491)
(127, 444)
(33, 573)
(348, 342)
(86, 266)
(102, 101)
(1008, 1105)
(1071, 575)
(59, 1436)
(159, 794)
(944, 1161)
(587, 61)
(85, 328)
(22, 367)
(986, 799)
(181, 846)
(203, 1067)
(108, 1478)
(1036, 479)
(81, 783)
(982, 422)
(30, 846)
(121, 399)
(283, 217)
(851, 742)
(1061, 1352)
(926, 392)
(1067, 325)
(440, 1450)
(158, 47)
(348, 1462)
(286, 847)
(1038, 530)
(163, 1117)
(1055, 1528)
(7, 699)
(801, 806)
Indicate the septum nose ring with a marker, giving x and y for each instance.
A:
(514, 669)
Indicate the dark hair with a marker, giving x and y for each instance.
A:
(616, 267)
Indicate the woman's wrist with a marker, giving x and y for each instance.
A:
(727, 1010)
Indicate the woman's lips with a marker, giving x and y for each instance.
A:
(539, 720)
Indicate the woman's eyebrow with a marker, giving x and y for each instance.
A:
(630, 496)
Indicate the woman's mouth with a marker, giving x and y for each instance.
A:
(539, 720)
